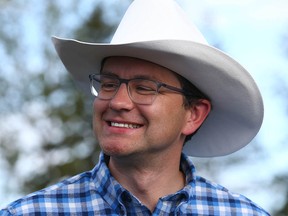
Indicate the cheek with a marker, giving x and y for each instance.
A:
(99, 106)
(98, 109)
(167, 116)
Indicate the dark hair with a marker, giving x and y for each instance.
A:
(192, 98)
(102, 63)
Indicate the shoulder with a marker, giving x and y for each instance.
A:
(209, 198)
(79, 194)
(77, 187)
(211, 194)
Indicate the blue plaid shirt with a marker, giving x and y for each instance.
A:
(97, 193)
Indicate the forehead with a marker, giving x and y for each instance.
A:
(128, 67)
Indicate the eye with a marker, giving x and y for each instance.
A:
(144, 90)
(108, 86)
(143, 87)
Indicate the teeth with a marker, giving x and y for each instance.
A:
(124, 125)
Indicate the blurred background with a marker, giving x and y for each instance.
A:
(45, 122)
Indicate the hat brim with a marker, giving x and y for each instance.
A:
(237, 112)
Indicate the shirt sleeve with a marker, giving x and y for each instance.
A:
(5, 212)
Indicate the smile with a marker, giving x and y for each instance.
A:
(124, 125)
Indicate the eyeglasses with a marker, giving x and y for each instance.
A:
(140, 91)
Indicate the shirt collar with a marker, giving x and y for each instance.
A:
(108, 188)
(188, 168)
(112, 192)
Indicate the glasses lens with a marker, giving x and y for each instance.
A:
(142, 91)
(104, 87)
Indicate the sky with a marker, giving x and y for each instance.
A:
(251, 31)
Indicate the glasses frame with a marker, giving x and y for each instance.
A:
(126, 81)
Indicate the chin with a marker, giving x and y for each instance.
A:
(114, 150)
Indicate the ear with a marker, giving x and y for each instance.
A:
(196, 115)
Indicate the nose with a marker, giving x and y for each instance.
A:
(121, 100)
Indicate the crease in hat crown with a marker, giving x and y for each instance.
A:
(143, 21)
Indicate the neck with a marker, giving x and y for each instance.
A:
(148, 179)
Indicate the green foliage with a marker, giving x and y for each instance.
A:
(93, 30)
(73, 113)
(39, 96)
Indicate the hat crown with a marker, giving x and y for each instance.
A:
(147, 20)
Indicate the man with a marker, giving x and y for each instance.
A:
(158, 86)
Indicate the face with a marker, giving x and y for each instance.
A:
(124, 128)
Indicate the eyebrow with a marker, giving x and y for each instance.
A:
(134, 77)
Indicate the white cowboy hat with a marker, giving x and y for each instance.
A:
(158, 31)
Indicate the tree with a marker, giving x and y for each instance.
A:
(281, 180)
(45, 120)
